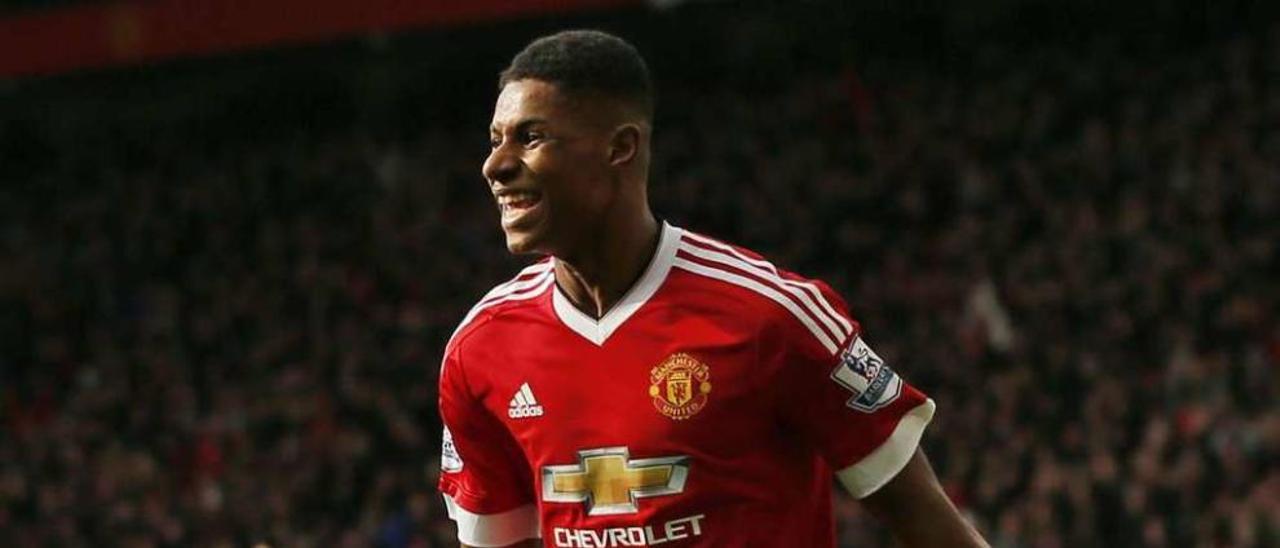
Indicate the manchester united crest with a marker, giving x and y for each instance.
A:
(679, 386)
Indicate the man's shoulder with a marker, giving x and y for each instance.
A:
(520, 291)
(739, 277)
(718, 266)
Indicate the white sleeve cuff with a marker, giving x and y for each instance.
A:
(876, 469)
(488, 530)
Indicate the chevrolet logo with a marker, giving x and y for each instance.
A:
(610, 482)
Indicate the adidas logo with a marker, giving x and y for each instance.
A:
(523, 404)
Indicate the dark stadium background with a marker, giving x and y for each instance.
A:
(226, 277)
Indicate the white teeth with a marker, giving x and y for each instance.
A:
(506, 200)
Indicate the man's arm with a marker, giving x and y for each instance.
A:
(918, 512)
(483, 477)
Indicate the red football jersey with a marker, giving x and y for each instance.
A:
(709, 407)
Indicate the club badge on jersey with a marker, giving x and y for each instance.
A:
(861, 371)
(680, 386)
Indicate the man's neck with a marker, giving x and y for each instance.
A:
(595, 279)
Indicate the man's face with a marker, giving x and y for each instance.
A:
(547, 168)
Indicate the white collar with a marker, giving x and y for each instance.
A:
(597, 331)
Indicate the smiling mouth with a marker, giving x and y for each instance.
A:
(518, 206)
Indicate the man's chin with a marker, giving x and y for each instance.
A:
(524, 243)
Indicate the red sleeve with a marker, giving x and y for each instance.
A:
(483, 474)
(855, 410)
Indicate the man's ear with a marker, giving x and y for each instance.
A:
(624, 144)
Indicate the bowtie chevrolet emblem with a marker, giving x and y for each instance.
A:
(609, 482)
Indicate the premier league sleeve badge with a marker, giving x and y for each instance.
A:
(861, 371)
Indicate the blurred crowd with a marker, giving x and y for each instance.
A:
(1074, 251)
(20, 6)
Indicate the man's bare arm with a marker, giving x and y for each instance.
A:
(918, 512)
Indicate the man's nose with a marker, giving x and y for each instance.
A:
(501, 166)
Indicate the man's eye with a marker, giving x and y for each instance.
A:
(531, 137)
(495, 142)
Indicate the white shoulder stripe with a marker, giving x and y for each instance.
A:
(847, 328)
(774, 279)
(512, 287)
(505, 287)
(790, 305)
(526, 289)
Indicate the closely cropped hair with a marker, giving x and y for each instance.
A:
(579, 61)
